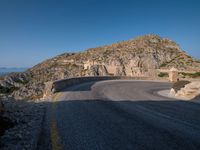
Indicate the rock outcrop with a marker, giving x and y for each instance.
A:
(189, 91)
(137, 57)
(21, 125)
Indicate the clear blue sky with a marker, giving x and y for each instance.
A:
(33, 30)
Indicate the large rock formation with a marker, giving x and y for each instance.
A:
(137, 57)
(190, 90)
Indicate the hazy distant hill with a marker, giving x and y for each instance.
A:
(142, 56)
(4, 70)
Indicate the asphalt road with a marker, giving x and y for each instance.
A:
(120, 115)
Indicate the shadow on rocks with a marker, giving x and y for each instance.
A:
(6, 123)
(21, 124)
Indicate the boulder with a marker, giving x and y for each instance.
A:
(188, 91)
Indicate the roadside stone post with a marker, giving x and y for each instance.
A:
(173, 75)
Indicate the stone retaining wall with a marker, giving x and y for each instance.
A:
(62, 84)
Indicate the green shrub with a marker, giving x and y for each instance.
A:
(163, 65)
(191, 75)
(7, 90)
(195, 75)
(163, 74)
(22, 82)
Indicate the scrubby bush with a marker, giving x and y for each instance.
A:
(163, 74)
(7, 90)
(163, 65)
(190, 75)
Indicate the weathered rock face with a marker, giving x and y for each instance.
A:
(21, 125)
(98, 70)
(30, 91)
(14, 80)
(137, 57)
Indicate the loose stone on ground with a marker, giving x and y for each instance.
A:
(27, 120)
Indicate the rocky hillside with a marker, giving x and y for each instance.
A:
(141, 56)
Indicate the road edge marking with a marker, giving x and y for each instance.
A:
(55, 138)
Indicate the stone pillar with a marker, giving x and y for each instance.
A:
(173, 75)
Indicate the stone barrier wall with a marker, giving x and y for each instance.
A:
(59, 85)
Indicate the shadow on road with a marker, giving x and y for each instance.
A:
(100, 124)
(103, 124)
(82, 87)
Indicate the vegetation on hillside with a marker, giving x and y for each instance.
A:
(163, 74)
(8, 90)
(190, 75)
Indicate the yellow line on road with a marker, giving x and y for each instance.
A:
(55, 138)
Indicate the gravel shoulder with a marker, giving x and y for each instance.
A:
(27, 117)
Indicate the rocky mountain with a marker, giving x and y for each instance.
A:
(142, 56)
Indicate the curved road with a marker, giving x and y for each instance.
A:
(120, 115)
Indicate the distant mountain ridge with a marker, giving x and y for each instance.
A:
(12, 69)
(142, 56)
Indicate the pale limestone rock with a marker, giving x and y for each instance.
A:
(190, 90)
(68, 61)
(98, 70)
(47, 90)
(111, 69)
(172, 92)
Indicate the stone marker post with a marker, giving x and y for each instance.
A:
(173, 75)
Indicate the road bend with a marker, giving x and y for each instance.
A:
(120, 115)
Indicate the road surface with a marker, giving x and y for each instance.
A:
(120, 115)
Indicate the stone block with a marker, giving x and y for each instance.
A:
(173, 75)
